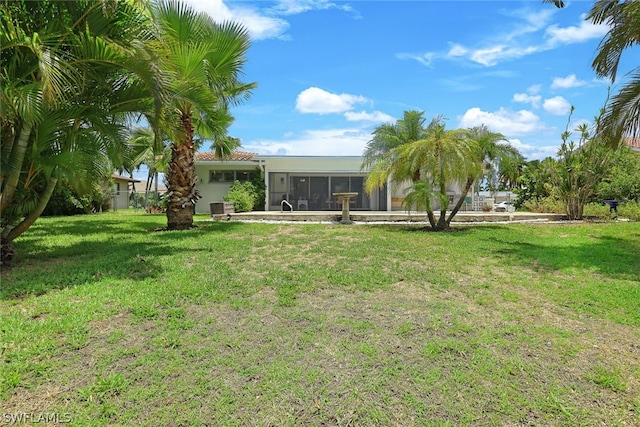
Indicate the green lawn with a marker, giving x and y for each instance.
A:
(105, 321)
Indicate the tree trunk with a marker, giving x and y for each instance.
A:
(18, 152)
(444, 203)
(432, 219)
(182, 194)
(458, 205)
(7, 252)
(442, 221)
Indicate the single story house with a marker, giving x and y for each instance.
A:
(122, 188)
(306, 182)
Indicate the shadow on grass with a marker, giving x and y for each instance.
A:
(121, 254)
(614, 257)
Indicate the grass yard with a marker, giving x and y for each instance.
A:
(107, 322)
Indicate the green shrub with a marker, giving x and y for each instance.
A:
(259, 190)
(243, 195)
(598, 210)
(66, 200)
(629, 210)
(544, 205)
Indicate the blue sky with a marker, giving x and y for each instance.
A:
(329, 72)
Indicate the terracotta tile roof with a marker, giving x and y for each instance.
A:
(210, 156)
(632, 142)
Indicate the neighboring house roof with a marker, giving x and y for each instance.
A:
(634, 143)
(124, 178)
(143, 184)
(210, 156)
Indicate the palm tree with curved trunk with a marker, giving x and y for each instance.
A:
(439, 158)
(204, 61)
(71, 75)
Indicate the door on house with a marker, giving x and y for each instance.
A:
(300, 193)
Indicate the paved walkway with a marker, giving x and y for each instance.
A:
(389, 217)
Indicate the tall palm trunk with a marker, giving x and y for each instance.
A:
(182, 194)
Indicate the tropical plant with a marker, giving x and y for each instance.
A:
(622, 112)
(153, 152)
(67, 201)
(622, 115)
(72, 71)
(622, 181)
(204, 60)
(243, 195)
(533, 183)
(579, 168)
(389, 136)
(431, 164)
(500, 162)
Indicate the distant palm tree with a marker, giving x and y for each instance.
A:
(204, 61)
(151, 151)
(499, 160)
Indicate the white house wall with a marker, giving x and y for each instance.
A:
(215, 191)
(292, 165)
(315, 164)
(282, 168)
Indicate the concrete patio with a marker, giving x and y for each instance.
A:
(390, 217)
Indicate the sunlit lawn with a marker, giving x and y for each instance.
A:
(107, 322)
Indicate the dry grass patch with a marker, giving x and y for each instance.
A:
(228, 325)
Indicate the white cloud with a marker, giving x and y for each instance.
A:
(557, 105)
(373, 117)
(567, 82)
(534, 89)
(457, 50)
(316, 100)
(490, 56)
(515, 44)
(328, 142)
(575, 34)
(291, 7)
(259, 26)
(507, 122)
(424, 59)
(532, 152)
(535, 21)
(525, 98)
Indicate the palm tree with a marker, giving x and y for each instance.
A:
(387, 137)
(500, 161)
(70, 76)
(151, 151)
(557, 3)
(439, 158)
(622, 113)
(204, 60)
